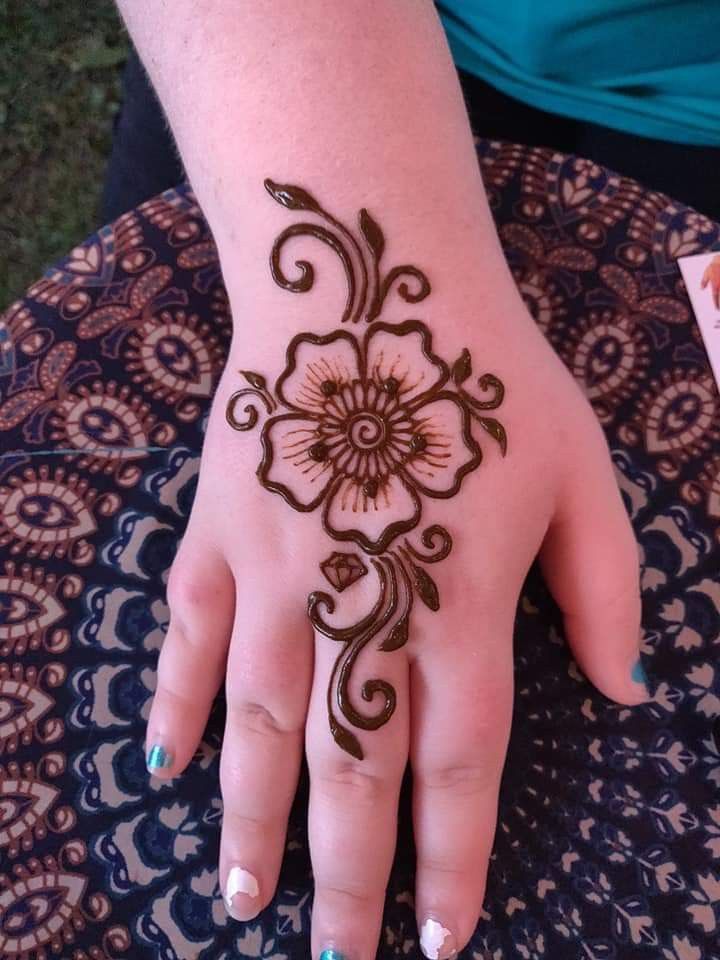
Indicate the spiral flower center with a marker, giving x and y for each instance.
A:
(366, 431)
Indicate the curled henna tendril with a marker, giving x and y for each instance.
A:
(344, 634)
(428, 538)
(487, 382)
(307, 273)
(400, 577)
(473, 405)
(249, 409)
(423, 288)
(258, 388)
(367, 292)
(355, 639)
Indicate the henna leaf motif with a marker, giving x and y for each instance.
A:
(462, 368)
(372, 233)
(496, 431)
(256, 380)
(292, 197)
(426, 587)
(397, 637)
(346, 740)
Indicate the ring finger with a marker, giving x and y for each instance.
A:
(460, 727)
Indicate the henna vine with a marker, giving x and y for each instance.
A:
(367, 289)
(369, 427)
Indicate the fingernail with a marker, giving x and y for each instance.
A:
(240, 885)
(158, 758)
(638, 673)
(330, 953)
(436, 941)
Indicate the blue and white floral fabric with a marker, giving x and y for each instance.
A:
(608, 842)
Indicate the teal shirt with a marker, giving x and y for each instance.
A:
(649, 67)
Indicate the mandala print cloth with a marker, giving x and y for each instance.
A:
(608, 840)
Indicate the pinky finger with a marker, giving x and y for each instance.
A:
(590, 561)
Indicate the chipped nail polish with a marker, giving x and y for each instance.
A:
(158, 758)
(638, 673)
(240, 880)
(436, 941)
(330, 953)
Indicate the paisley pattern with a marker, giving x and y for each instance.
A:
(608, 844)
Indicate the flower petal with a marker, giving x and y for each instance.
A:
(286, 467)
(451, 450)
(314, 360)
(371, 522)
(403, 352)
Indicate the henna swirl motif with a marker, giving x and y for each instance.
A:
(256, 389)
(369, 426)
(367, 289)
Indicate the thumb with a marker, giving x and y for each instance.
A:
(589, 559)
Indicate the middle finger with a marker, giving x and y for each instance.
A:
(353, 802)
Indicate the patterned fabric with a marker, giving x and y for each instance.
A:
(608, 842)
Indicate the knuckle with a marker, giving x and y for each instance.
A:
(459, 779)
(354, 785)
(449, 867)
(244, 824)
(622, 591)
(186, 591)
(256, 718)
(354, 894)
(166, 695)
(615, 590)
(199, 583)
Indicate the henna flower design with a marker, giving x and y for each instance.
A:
(371, 429)
(367, 427)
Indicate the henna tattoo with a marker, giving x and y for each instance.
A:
(257, 388)
(400, 577)
(342, 570)
(369, 426)
(367, 290)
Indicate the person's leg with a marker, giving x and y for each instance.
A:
(686, 173)
(143, 160)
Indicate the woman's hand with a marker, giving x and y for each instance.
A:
(360, 102)
(405, 493)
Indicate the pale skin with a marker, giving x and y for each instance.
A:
(359, 103)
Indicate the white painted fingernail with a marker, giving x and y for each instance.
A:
(436, 941)
(241, 881)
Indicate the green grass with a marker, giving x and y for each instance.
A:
(59, 90)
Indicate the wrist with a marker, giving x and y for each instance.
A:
(297, 265)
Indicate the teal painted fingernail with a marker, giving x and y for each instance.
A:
(638, 673)
(332, 954)
(158, 758)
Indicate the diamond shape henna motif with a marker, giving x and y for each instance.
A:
(342, 570)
